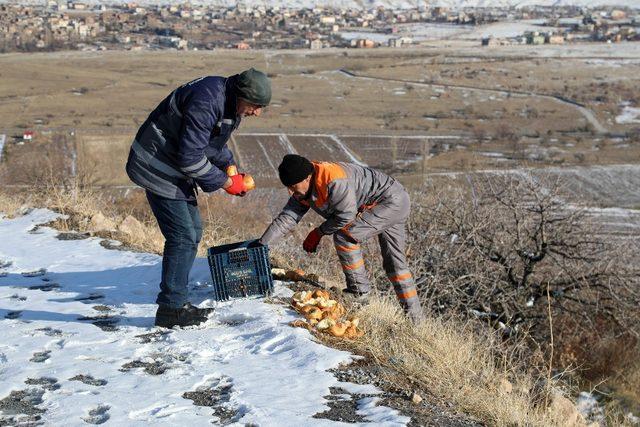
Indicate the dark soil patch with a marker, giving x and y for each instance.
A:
(113, 245)
(36, 230)
(47, 287)
(18, 297)
(46, 383)
(101, 308)
(106, 323)
(98, 415)
(217, 397)
(13, 314)
(426, 413)
(152, 336)
(89, 380)
(90, 297)
(50, 332)
(72, 236)
(40, 356)
(152, 368)
(343, 407)
(36, 273)
(429, 412)
(360, 372)
(20, 408)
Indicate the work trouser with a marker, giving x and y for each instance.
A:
(386, 219)
(181, 226)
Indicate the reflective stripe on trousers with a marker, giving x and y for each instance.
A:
(386, 220)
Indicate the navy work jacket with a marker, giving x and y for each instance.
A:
(183, 142)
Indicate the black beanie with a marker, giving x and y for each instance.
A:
(294, 169)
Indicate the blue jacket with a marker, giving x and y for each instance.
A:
(183, 142)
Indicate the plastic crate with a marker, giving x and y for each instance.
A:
(240, 270)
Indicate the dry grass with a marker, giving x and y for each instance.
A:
(456, 364)
(11, 204)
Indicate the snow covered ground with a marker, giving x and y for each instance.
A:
(629, 115)
(79, 346)
(437, 31)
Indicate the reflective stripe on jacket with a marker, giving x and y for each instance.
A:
(338, 191)
(183, 141)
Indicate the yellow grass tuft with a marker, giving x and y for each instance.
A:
(454, 363)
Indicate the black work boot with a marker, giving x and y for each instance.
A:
(197, 311)
(187, 315)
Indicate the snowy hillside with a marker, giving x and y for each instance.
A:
(78, 345)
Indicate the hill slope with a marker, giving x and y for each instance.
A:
(79, 344)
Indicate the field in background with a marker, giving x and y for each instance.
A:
(430, 109)
(431, 90)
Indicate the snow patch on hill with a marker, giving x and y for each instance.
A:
(78, 340)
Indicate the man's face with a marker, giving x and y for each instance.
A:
(245, 108)
(299, 191)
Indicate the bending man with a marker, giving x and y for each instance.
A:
(357, 203)
(182, 146)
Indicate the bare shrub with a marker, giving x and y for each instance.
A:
(41, 161)
(499, 250)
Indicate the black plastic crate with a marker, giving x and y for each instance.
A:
(240, 270)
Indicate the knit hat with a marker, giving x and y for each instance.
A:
(254, 86)
(294, 169)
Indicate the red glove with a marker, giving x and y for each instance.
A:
(312, 241)
(237, 187)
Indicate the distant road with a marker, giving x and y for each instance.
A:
(586, 112)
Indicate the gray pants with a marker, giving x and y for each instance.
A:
(386, 219)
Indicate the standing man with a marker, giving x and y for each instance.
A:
(357, 203)
(181, 146)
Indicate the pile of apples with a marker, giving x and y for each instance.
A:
(324, 314)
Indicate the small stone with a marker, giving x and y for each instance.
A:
(505, 386)
(101, 223)
(131, 226)
(416, 399)
(563, 409)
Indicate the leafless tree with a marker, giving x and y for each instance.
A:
(506, 247)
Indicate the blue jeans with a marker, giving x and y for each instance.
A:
(181, 226)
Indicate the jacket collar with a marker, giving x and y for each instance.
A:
(231, 100)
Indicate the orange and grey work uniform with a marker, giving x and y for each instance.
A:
(357, 203)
